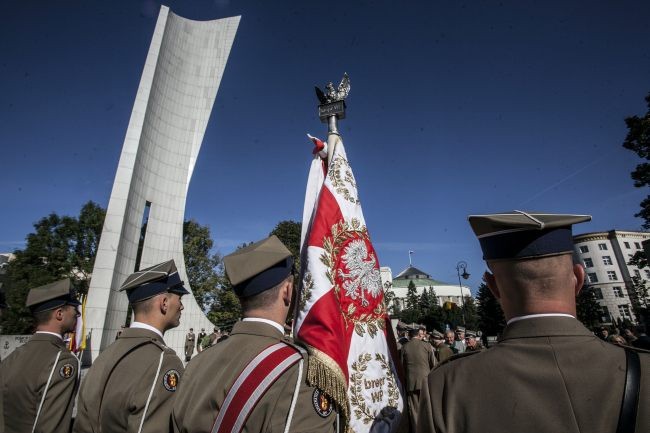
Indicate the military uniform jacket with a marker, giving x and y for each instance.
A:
(418, 361)
(443, 352)
(546, 375)
(115, 390)
(189, 340)
(23, 378)
(211, 374)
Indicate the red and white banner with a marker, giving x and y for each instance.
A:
(341, 316)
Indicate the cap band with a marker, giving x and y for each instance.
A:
(265, 280)
(173, 284)
(530, 243)
(55, 303)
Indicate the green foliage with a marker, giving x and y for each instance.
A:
(200, 263)
(471, 314)
(588, 310)
(638, 141)
(59, 247)
(491, 320)
(289, 233)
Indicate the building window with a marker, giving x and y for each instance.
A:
(592, 277)
(618, 292)
(598, 293)
(647, 274)
(584, 249)
(624, 311)
(637, 273)
(607, 260)
(602, 247)
(627, 245)
(589, 263)
(605, 314)
(611, 275)
(636, 244)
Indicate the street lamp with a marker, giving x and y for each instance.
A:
(462, 266)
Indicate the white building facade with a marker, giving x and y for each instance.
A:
(399, 286)
(605, 256)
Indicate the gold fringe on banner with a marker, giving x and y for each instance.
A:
(324, 373)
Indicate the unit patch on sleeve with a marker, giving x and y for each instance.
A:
(322, 403)
(66, 371)
(170, 380)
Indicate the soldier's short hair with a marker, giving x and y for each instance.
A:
(263, 299)
(43, 317)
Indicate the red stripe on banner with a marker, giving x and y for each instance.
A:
(249, 385)
(324, 329)
(328, 214)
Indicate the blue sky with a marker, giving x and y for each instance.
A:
(456, 108)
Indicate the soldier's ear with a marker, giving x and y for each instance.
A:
(163, 304)
(579, 275)
(287, 292)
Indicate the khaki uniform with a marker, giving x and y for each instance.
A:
(189, 345)
(211, 374)
(23, 377)
(546, 375)
(115, 390)
(418, 361)
(443, 352)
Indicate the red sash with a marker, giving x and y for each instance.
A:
(251, 384)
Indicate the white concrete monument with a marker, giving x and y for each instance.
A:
(177, 90)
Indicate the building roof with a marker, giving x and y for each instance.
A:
(419, 278)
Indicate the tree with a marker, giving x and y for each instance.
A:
(288, 232)
(412, 313)
(491, 320)
(60, 247)
(638, 141)
(588, 310)
(471, 315)
(200, 263)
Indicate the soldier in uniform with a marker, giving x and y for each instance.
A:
(199, 339)
(459, 343)
(131, 385)
(189, 344)
(441, 350)
(39, 380)
(471, 343)
(548, 373)
(418, 361)
(257, 374)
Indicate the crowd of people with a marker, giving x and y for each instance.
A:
(546, 373)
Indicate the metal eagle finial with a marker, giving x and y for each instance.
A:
(332, 94)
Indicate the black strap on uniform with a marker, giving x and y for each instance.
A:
(630, 404)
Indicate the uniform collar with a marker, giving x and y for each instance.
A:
(52, 337)
(267, 321)
(140, 325)
(546, 326)
(257, 327)
(533, 316)
(141, 333)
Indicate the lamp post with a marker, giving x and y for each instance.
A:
(462, 266)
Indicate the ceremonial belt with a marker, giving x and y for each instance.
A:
(630, 403)
(251, 385)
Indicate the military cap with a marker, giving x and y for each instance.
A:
(258, 267)
(149, 282)
(51, 296)
(460, 329)
(521, 235)
(437, 335)
(470, 334)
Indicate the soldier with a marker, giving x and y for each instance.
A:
(131, 385)
(450, 340)
(418, 361)
(39, 379)
(471, 343)
(442, 351)
(254, 380)
(199, 339)
(459, 342)
(189, 344)
(548, 373)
